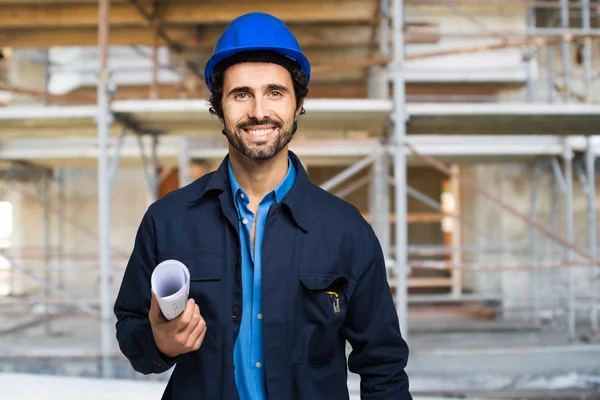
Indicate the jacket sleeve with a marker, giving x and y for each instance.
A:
(379, 353)
(132, 305)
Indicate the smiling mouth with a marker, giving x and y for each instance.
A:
(258, 132)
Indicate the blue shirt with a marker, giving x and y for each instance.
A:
(248, 349)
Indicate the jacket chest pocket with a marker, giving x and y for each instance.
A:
(207, 290)
(324, 303)
(324, 297)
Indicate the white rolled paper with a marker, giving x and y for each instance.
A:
(171, 285)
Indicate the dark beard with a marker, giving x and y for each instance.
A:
(263, 152)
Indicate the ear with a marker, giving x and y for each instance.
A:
(299, 108)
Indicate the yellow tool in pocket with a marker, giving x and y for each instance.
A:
(335, 300)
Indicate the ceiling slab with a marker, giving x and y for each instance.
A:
(504, 119)
(81, 14)
(323, 118)
(83, 152)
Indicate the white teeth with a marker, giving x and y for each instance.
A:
(259, 132)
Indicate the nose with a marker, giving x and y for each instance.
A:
(259, 109)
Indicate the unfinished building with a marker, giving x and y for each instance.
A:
(474, 125)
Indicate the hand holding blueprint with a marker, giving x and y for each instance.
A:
(171, 285)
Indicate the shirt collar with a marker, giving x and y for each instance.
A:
(288, 182)
(279, 192)
(292, 196)
(235, 187)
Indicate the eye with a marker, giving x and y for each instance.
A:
(241, 95)
(276, 93)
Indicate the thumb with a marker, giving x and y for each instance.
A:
(155, 308)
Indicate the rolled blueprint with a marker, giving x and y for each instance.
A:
(171, 285)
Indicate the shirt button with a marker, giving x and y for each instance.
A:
(245, 221)
(258, 365)
(235, 312)
(242, 195)
(260, 316)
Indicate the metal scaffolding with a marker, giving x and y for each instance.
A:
(398, 148)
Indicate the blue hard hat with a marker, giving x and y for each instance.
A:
(256, 31)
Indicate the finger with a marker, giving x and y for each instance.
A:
(200, 340)
(197, 335)
(155, 312)
(187, 331)
(196, 332)
(184, 319)
(188, 336)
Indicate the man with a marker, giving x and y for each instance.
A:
(282, 273)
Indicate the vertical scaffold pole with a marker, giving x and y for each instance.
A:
(104, 121)
(400, 179)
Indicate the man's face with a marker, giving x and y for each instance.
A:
(259, 109)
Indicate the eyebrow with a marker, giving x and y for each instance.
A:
(239, 89)
(270, 86)
(275, 86)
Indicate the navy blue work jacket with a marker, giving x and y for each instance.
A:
(315, 244)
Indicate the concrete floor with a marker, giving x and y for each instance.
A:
(44, 387)
(452, 353)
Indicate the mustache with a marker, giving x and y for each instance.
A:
(254, 122)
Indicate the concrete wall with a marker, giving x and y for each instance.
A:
(505, 65)
(80, 237)
(486, 224)
(25, 70)
(495, 226)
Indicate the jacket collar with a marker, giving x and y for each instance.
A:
(295, 200)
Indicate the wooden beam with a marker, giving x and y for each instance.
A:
(202, 36)
(59, 99)
(39, 2)
(193, 38)
(57, 37)
(503, 3)
(423, 282)
(340, 90)
(414, 218)
(78, 14)
(309, 36)
(318, 57)
(457, 274)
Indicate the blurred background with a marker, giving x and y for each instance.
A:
(466, 131)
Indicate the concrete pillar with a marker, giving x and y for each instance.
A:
(26, 70)
(486, 221)
(377, 83)
(16, 240)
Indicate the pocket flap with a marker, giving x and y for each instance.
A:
(316, 281)
(205, 267)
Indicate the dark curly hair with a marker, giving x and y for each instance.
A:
(299, 81)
